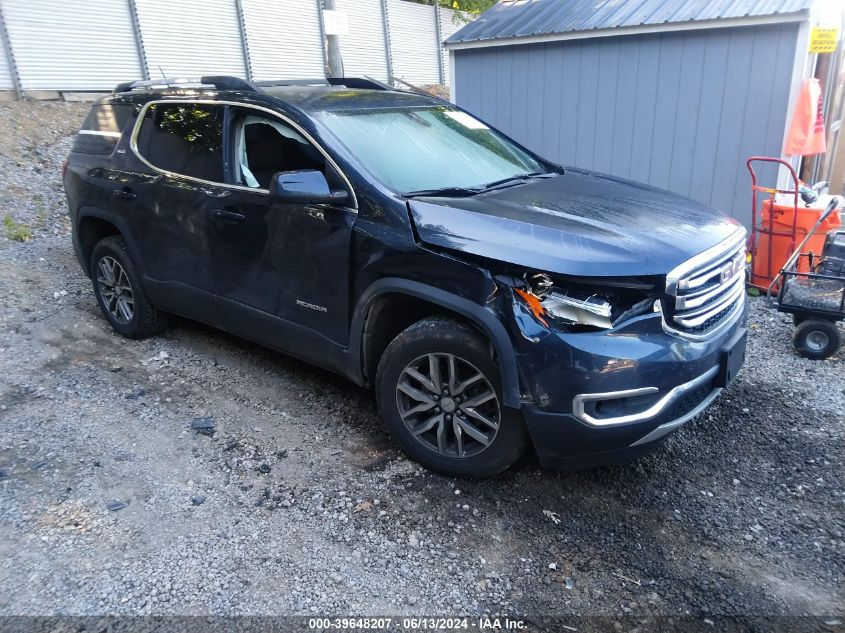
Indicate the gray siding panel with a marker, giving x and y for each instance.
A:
(585, 134)
(665, 110)
(553, 94)
(686, 118)
(625, 111)
(606, 101)
(680, 110)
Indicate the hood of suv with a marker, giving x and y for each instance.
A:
(579, 224)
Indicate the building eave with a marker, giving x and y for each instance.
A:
(621, 31)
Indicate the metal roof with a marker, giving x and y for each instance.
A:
(527, 18)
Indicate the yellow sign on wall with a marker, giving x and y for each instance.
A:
(823, 40)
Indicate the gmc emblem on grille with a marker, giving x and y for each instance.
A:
(730, 270)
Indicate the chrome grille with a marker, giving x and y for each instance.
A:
(709, 288)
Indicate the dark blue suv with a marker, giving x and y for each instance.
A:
(491, 298)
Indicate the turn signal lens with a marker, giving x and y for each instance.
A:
(534, 305)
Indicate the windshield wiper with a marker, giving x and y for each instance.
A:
(458, 192)
(512, 181)
(446, 192)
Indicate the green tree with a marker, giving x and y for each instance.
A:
(471, 8)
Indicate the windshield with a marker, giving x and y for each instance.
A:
(415, 149)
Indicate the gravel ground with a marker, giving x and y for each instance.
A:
(35, 137)
(299, 503)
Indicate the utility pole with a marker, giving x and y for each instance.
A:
(334, 63)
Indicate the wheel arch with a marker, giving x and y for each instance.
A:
(365, 347)
(93, 225)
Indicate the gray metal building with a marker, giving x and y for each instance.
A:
(669, 92)
(81, 46)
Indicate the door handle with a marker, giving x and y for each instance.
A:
(228, 217)
(124, 194)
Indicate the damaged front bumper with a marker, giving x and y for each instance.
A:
(605, 396)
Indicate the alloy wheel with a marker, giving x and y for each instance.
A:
(115, 289)
(448, 405)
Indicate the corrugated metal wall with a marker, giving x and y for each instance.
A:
(415, 50)
(450, 22)
(190, 38)
(83, 45)
(6, 82)
(363, 50)
(283, 38)
(681, 110)
(71, 44)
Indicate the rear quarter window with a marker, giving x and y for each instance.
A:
(102, 129)
(183, 138)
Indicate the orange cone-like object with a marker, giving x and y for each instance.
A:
(806, 133)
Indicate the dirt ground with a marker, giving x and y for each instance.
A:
(300, 503)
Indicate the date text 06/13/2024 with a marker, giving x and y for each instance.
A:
(417, 624)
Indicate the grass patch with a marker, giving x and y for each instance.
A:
(16, 230)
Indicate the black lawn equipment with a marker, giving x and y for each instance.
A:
(812, 290)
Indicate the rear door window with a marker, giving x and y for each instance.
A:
(102, 129)
(184, 138)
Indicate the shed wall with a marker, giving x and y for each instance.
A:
(680, 110)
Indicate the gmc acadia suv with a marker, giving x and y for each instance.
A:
(490, 297)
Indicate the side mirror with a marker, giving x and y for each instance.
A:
(305, 186)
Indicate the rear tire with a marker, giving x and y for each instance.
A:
(458, 427)
(817, 339)
(119, 293)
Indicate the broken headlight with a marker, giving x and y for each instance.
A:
(586, 310)
(581, 305)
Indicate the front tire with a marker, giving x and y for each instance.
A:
(817, 339)
(119, 293)
(439, 391)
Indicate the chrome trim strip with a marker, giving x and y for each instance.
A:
(133, 144)
(654, 410)
(706, 273)
(687, 302)
(699, 316)
(704, 258)
(663, 429)
(724, 324)
(101, 133)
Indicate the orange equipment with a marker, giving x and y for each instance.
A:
(806, 132)
(774, 234)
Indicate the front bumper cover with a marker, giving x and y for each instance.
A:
(676, 379)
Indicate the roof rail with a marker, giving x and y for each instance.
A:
(221, 82)
(225, 82)
(269, 83)
(364, 83)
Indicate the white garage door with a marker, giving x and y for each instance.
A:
(363, 49)
(413, 43)
(72, 44)
(284, 39)
(190, 38)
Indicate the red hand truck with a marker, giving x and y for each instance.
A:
(766, 269)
